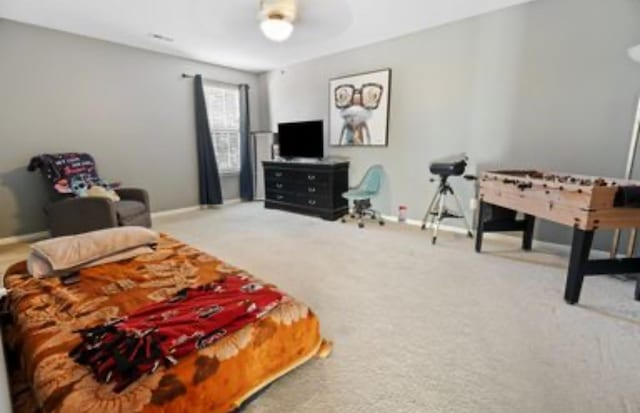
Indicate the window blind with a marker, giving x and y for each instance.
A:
(223, 111)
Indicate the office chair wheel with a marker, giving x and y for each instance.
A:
(352, 216)
(381, 222)
(343, 220)
(433, 241)
(423, 227)
(360, 224)
(469, 234)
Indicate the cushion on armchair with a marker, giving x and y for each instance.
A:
(125, 208)
(133, 212)
(97, 191)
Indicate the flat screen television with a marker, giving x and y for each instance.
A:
(301, 139)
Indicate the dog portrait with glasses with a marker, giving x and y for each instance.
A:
(359, 109)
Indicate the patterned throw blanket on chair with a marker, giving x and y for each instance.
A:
(68, 173)
(160, 333)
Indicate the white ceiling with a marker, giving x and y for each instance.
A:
(226, 32)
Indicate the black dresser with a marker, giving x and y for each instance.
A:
(313, 188)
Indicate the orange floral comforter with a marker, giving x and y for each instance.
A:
(217, 378)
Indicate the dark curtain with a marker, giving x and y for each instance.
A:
(246, 164)
(208, 175)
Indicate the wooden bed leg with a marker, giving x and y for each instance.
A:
(480, 228)
(527, 235)
(325, 349)
(580, 248)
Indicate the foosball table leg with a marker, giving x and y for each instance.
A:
(580, 248)
(527, 236)
(480, 229)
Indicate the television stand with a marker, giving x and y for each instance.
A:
(311, 187)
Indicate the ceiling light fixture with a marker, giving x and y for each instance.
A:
(276, 19)
(276, 27)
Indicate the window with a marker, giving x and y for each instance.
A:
(223, 109)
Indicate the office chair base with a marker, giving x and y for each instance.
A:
(362, 209)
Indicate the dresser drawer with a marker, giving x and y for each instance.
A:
(318, 178)
(285, 175)
(302, 200)
(313, 201)
(312, 188)
(280, 175)
(302, 187)
(281, 185)
(277, 196)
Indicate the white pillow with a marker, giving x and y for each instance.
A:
(73, 251)
(40, 267)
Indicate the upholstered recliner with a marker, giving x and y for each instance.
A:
(67, 214)
(77, 215)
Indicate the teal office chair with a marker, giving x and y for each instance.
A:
(361, 196)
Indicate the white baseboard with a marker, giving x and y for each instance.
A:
(417, 223)
(36, 236)
(505, 237)
(177, 211)
(498, 236)
(17, 239)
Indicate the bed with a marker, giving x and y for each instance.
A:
(217, 378)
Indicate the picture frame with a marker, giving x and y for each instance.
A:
(359, 108)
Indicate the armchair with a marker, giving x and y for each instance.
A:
(67, 214)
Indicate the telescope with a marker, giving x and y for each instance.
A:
(450, 166)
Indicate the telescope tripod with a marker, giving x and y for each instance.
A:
(438, 211)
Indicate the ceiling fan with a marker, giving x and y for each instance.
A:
(276, 18)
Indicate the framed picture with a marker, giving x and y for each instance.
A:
(359, 109)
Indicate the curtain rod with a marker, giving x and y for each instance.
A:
(188, 76)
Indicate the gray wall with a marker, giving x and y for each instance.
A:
(128, 107)
(547, 85)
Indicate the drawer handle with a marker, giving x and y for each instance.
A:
(311, 202)
(279, 197)
(279, 186)
(311, 189)
(311, 177)
(278, 174)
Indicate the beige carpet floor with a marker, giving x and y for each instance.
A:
(422, 328)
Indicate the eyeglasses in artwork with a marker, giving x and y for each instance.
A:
(359, 112)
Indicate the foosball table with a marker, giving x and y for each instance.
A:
(583, 202)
